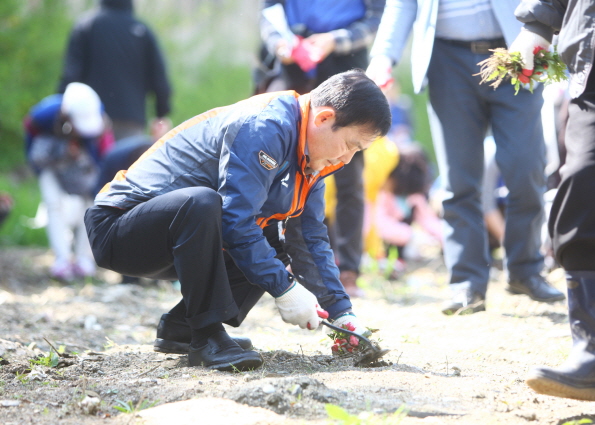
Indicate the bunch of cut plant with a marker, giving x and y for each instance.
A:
(548, 68)
(346, 342)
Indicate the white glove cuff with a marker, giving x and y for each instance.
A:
(351, 318)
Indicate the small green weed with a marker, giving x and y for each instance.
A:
(22, 377)
(578, 422)
(109, 344)
(51, 360)
(410, 339)
(340, 415)
(391, 259)
(129, 407)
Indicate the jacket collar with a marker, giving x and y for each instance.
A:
(304, 101)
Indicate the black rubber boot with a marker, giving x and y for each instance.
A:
(576, 377)
(174, 336)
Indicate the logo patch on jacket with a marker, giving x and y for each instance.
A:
(267, 161)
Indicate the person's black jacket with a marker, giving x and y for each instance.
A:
(118, 56)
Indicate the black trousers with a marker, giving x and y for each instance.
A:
(178, 236)
(572, 218)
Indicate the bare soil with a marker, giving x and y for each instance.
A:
(441, 370)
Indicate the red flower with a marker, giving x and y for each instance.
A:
(527, 72)
(523, 78)
(537, 49)
(353, 340)
(335, 347)
(545, 66)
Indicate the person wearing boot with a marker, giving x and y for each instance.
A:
(572, 219)
(206, 205)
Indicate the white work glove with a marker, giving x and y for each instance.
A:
(350, 322)
(380, 71)
(527, 44)
(298, 306)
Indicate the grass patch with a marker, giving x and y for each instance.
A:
(16, 229)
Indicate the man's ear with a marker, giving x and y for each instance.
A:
(323, 115)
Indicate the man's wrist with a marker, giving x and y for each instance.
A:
(344, 313)
(292, 283)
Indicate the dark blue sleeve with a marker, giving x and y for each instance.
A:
(41, 119)
(313, 260)
(244, 187)
(44, 114)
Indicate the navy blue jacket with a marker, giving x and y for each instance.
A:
(253, 154)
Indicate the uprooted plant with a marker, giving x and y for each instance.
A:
(548, 68)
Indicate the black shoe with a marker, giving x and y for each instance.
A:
(222, 353)
(576, 381)
(576, 377)
(536, 288)
(174, 335)
(464, 301)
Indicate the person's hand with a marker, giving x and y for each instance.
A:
(160, 126)
(283, 52)
(320, 46)
(298, 306)
(73, 149)
(527, 44)
(350, 322)
(380, 71)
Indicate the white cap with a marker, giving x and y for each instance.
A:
(83, 107)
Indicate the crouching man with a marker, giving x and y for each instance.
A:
(206, 205)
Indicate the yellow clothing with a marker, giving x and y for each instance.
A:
(379, 159)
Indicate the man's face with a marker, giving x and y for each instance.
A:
(327, 147)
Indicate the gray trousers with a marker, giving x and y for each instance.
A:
(464, 110)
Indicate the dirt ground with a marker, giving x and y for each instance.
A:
(441, 370)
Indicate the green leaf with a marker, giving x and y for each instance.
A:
(493, 75)
(336, 412)
(54, 359)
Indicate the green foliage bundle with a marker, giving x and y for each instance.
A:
(548, 68)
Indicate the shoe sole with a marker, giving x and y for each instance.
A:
(515, 291)
(170, 347)
(233, 366)
(469, 309)
(547, 386)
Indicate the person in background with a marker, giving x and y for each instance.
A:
(335, 37)
(126, 152)
(118, 56)
(403, 200)
(66, 135)
(450, 38)
(572, 216)
(401, 131)
(6, 204)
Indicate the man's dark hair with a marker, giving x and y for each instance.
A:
(356, 99)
